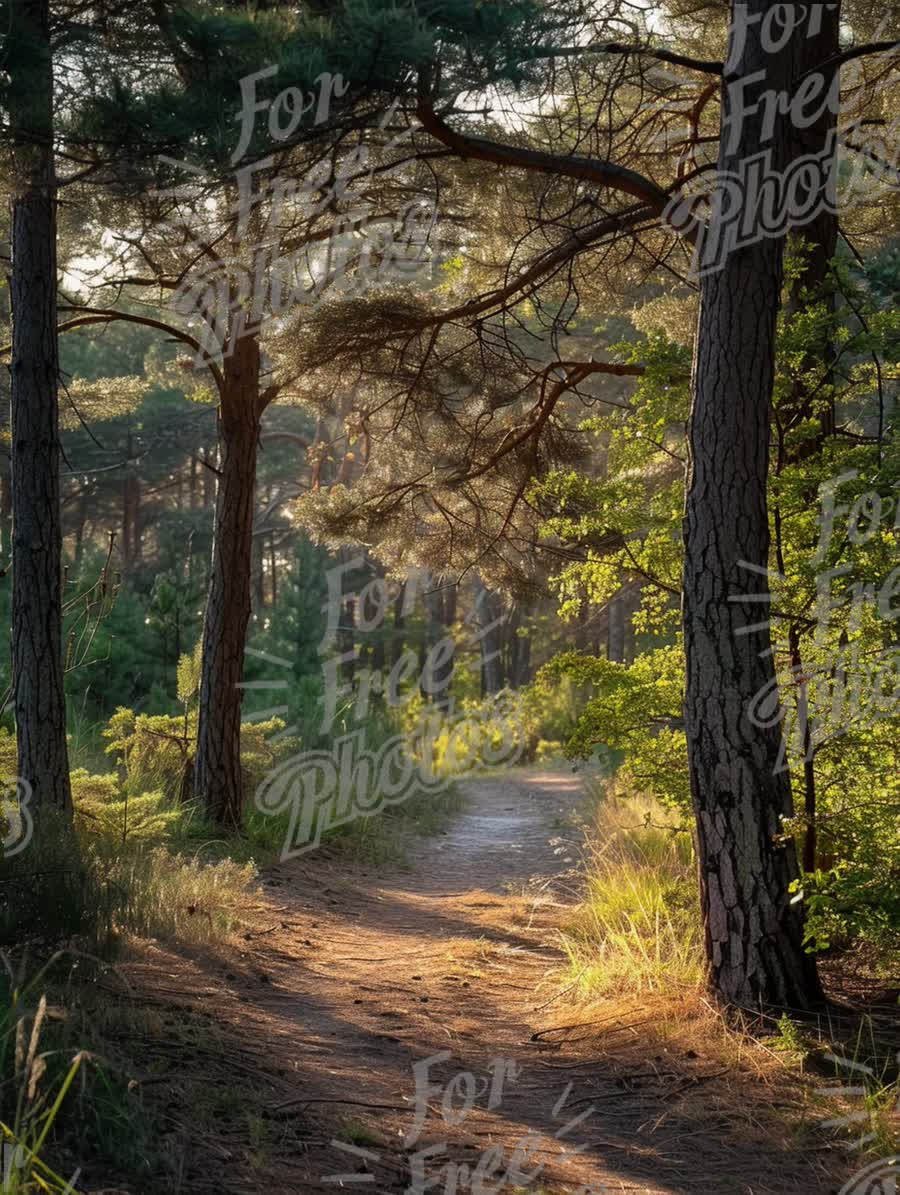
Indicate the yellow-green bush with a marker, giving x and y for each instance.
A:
(480, 732)
(156, 751)
(125, 862)
(101, 808)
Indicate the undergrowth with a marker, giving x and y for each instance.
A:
(638, 927)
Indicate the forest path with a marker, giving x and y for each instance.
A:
(354, 978)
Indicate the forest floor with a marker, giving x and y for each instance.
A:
(286, 1065)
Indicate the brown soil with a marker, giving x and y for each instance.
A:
(290, 1063)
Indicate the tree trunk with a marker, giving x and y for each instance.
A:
(615, 632)
(398, 631)
(131, 500)
(5, 518)
(38, 674)
(753, 932)
(258, 568)
(489, 614)
(217, 771)
(439, 655)
(523, 659)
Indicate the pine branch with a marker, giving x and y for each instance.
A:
(604, 174)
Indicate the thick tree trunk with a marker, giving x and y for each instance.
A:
(753, 930)
(217, 770)
(38, 674)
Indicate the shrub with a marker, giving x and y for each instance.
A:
(156, 752)
(124, 863)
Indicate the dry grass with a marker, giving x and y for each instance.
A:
(638, 927)
(635, 963)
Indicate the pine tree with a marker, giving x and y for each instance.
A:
(600, 194)
(38, 683)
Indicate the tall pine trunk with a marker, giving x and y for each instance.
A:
(38, 669)
(217, 768)
(754, 933)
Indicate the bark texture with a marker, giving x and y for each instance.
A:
(753, 931)
(217, 768)
(38, 669)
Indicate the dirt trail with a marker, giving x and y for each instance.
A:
(352, 981)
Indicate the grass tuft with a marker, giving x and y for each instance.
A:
(638, 928)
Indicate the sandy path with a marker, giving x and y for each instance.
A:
(353, 982)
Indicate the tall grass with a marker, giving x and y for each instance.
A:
(34, 1084)
(638, 928)
(123, 865)
(65, 1090)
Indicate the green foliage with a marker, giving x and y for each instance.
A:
(172, 613)
(488, 732)
(637, 499)
(134, 653)
(834, 586)
(127, 863)
(104, 811)
(156, 751)
(635, 709)
(857, 899)
(46, 1043)
(552, 704)
(189, 673)
(285, 644)
(33, 1089)
(377, 46)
